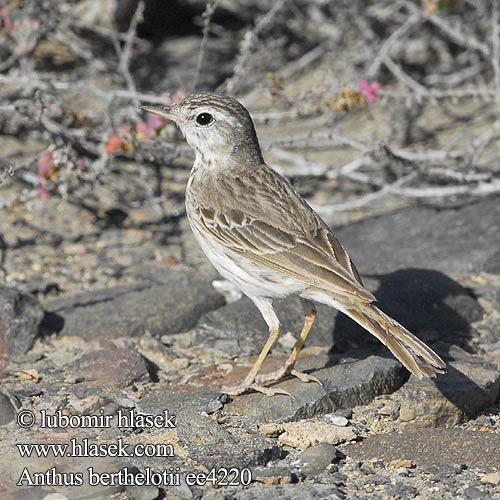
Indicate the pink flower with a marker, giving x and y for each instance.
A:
(81, 165)
(6, 20)
(369, 90)
(43, 193)
(155, 122)
(144, 131)
(46, 168)
(45, 165)
(147, 130)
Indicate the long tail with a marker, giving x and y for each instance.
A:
(416, 356)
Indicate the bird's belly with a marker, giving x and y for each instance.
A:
(253, 279)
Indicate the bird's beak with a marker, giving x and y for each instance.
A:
(164, 111)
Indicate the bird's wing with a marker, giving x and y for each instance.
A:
(264, 219)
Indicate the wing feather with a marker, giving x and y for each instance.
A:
(282, 232)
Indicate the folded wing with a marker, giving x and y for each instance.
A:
(282, 233)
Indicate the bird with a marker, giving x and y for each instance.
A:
(260, 234)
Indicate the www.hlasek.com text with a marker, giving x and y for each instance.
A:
(87, 448)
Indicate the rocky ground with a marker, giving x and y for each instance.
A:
(163, 337)
(109, 309)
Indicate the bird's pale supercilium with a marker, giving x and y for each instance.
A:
(261, 235)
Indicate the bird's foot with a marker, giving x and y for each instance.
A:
(250, 384)
(284, 372)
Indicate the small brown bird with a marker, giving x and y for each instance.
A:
(261, 235)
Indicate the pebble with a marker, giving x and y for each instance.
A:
(143, 492)
(216, 404)
(473, 492)
(492, 478)
(181, 363)
(338, 478)
(389, 409)
(315, 459)
(287, 341)
(401, 464)
(377, 479)
(76, 249)
(337, 420)
(344, 412)
(29, 375)
(366, 468)
(85, 406)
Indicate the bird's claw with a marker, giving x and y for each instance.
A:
(305, 377)
(284, 372)
(247, 384)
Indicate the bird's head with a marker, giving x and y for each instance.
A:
(215, 126)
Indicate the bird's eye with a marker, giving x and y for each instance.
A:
(204, 119)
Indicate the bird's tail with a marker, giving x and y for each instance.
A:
(416, 356)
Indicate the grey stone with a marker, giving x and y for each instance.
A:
(390, 409)
(401, 490)
(165, 302)
(306, 491)
(207, 441)
(350, 382)
(182, 491)
(344, 412)
(210, 444)
(492, 265)
(238, 329)
(425, 447)
(457, 241)
(216, 404)
(7, 410)
(377, 479)
(20, 317)
(143, 492)
(314, 460)
(85, 406)
(474, 492)
(165, 397)
(469, 386)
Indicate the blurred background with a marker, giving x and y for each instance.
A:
(366, 106)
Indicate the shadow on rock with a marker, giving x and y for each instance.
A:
(440, 312)
(470, 392)
(52, 322)
(430, 304)
(469, 386)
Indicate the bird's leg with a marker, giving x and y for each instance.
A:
(249, 381)
(269, 315)
(288, 368)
